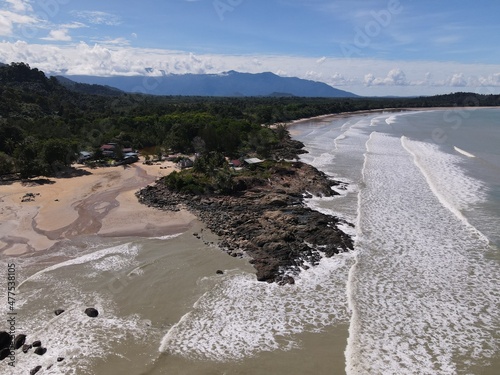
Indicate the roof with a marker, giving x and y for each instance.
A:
(107, 147)
(253, 161)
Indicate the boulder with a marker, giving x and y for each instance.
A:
(90, 311)
(4, 353)
(19, 341)
(5, 340)
(36, 343)
(35, 370)
(58, 312)
(26, 348)
(60, 359)
(219, 272)
(40, 350)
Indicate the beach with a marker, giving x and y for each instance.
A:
(37, 214)
(418, 294)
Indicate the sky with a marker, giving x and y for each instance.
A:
(368, 47)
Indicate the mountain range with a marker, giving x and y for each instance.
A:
(230, 84)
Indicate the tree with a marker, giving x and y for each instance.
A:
(27, 155)
(57, 153)
(6, 164)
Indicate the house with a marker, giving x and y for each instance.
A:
(84, 155)
(130, 159)
(236, 163)
(185, 163)
(253, 161)
(108, 149)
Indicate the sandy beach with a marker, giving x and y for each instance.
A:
(35, 215)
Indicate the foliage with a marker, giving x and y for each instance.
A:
(6, 164)
(43, 123)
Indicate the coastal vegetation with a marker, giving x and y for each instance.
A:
(44, 124)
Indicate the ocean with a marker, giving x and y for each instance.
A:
(418, 295)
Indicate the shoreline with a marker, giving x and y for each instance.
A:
(36, 217)
(369, 111)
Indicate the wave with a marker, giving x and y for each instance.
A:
(468, 154)
(240, 317)
(453, 189)
(112, 258)
(421, 293)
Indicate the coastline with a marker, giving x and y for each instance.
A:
(36, 215)
(102, 202)
(369, 111)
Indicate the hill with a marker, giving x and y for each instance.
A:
(85, 88)
(231, 84)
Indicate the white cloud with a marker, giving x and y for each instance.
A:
(395, 77)
(59, 35)
(98, 17)
(20, 6)
(361, 76)
(458, 80)
(9, 20)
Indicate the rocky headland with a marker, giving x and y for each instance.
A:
(265, 217)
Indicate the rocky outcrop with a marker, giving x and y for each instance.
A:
(58, 312)
(5, 340)
(19, 341)
(266, 218)
(91, 312)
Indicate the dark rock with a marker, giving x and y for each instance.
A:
(60, 359)
(19, 341)
(4, 353)
(5, 340)
(40, 350)
(26, 348)
(58, 312)
(36, 343)
(90, 311)
(35, 370)
(219, 272)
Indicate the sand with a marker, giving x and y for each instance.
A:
(100, 202)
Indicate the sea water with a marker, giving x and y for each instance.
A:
(424, 292)
(418, 295)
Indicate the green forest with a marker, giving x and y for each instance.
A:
(44, 125)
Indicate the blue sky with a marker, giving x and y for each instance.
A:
(386, 47)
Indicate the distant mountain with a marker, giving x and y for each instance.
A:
(86, 88)
(226, 84)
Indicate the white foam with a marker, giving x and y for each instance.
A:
(422, 293)
(448, 182)
(241, 317)
(463, 152)
(80, 340)
(167, 237)
(118, 257)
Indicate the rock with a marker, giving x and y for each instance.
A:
(26, 348)
(4, 353)
(36, 344)
(5, 340)
(90, 311)
(35, 370)
(266, 219)
(58, 312)
(40, 350)
(60, 359)
(19, 341)
(219, 272)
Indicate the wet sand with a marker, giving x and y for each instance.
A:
(99, 202)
